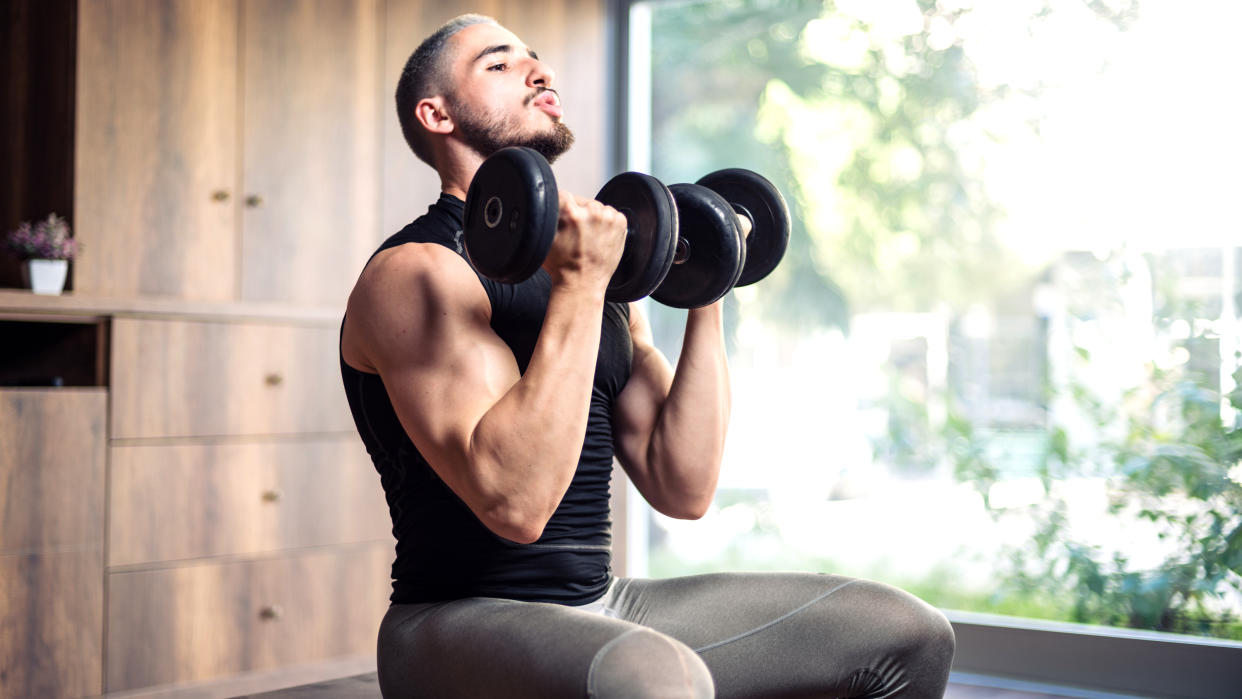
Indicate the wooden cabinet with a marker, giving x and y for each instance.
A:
(210, 620)
(52, 455)
(247, 528)
(230, 148)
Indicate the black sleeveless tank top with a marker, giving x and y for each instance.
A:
(444, 551)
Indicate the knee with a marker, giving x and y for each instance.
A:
(935, 635)
(915, 631)
(643, 664)
(923, 633)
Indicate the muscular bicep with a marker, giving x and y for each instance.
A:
(637, 410)
(422, 319)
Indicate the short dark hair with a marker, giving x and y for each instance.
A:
(423, 76)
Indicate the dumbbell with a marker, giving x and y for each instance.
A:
(714, 252)
(685, 245)
(512, 208)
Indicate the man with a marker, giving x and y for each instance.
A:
(493, 413)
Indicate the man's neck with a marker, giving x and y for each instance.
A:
(457, 165)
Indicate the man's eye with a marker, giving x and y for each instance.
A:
(499, 67)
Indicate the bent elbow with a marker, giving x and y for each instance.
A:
(514, 525)
(520, 534)
(689, 509)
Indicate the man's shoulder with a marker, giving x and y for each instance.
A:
(412, 270)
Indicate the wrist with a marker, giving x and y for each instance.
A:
(580, 287)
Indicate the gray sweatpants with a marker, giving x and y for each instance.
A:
(761, 635)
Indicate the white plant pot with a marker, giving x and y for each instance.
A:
(47, 276)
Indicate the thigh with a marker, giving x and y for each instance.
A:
(798, 634)
(482, 647)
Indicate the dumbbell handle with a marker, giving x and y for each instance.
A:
(744, 223)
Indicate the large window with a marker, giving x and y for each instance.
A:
(997, 366)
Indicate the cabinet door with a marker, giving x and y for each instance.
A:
(51, 543)
(156, 157)
(51, 624)
(51, 469)
(311, 154)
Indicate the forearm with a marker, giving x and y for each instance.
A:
(525, 448)
(687, 444)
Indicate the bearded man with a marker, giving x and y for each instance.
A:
(493, 414)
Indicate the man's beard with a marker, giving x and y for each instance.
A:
(486, 135)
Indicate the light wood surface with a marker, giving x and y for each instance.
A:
(570, 35)
(188, 378)
(52, 453)
(210, 620)
(22, 305)
(156, 134)
(171, 502)
(311, 147)
(51, 624)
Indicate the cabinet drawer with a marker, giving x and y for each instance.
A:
(171, 502)
(204, 621)
(51, 468)
(173, 378)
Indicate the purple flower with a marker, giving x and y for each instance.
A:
(46, 240)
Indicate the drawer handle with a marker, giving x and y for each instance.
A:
(273, 379)
(271, 612)
(220, 195)
(254, 201)
(272, 495)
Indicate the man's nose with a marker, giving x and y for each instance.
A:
(540, 74)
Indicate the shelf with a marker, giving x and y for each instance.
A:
(16, 304)
(43, 352)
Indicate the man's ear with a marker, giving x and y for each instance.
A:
(431, 113)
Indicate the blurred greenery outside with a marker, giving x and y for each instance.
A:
(1047, 386)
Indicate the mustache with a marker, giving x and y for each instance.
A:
(539, 91)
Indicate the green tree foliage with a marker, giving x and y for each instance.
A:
(904, 220)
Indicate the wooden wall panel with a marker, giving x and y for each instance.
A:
(186, 379)
(51, 468)
(311, 148)
(210, 620)
(171, 502)
(156, 142)
(51, 624)
(569, 34)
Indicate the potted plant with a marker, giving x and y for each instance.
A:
(46, 249)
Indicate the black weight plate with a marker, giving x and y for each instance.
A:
(651, 234)
(511, 212)
(709, 251)
(751, 193)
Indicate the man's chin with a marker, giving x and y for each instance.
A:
(551, 145)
